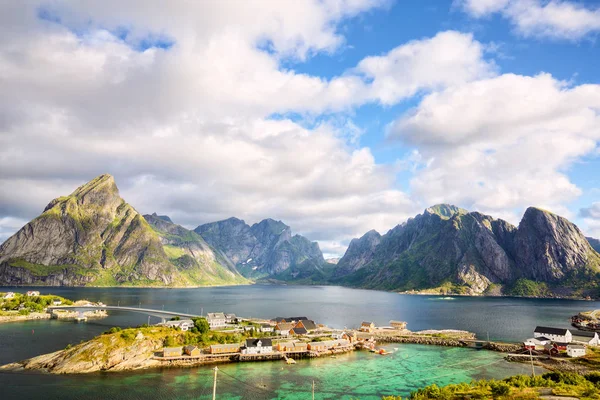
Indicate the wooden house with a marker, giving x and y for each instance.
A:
(306, 324)
(586, 337)
(398, 324)
(298, 331)
(172, 351)
(555, 334)
(225, 348)
(367, 327)
(575, 350)
(283, 328)
(317, 346)
(300, 346)
(192, 351)
(285, 346)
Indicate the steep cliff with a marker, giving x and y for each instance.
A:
(91, 237)
(263, 249)
(195, 259)
(595, 243)
(459, 251)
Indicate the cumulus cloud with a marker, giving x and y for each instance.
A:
(502, 143)
(535, 18)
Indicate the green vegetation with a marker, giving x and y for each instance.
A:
(529, 288)
(21, 304)
(585, 387)
(44, 270)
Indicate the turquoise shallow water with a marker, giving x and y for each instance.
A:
(357, 375)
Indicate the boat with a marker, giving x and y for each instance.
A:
(382, 352)
(290, 361)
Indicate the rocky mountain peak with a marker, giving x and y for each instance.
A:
(445, 211)
(163, 217)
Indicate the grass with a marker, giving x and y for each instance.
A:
(516, 387)
(44, 270)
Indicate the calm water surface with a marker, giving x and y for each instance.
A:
(357, 375)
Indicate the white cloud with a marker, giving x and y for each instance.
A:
(503, 143)
(553, 19)
(591, 218)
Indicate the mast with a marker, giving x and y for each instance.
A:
(215, 384)
(532, 369)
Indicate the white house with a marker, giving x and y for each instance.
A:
(283, 328)
(554, 334)
(33, 293)
(216, 320)
(184, 324)
(536, 343)
(9, 295)
(575, 350)
(258, 346)
(267, 328)
(586, 337)
(56, 302)
(230, 319)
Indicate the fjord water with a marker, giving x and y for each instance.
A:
(357, 375)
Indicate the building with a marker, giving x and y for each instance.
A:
(285, 346)
(554, 334)
(398, 324)
(192, 351)
(225, 348)
(300, 346)
(216, 320)
(172, 351)
(283, 328)
(298, 331)
(367, 327)
(342, 343)
(307, 324)
(586, 337)
(56, 302)
(538, 343)
(575, 350)
(560, 346)
(288, 319)
(231, 319)
(258, 346)
(350, 336)
(184, 324)
(250, 327)
(317, 346)
(33, 293)
(266, 328)
(9, 295)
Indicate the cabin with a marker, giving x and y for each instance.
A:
(266, 328)
(224, 348)
(560, 346)
(350, 336)
(300, 346)
(307, 324)
(538, 343)
(586, 337)
(317, 346)
(9, 295)
(33, 293)
(367, 327)
(285, 346)
(575, 350)
(172, 351)
(288, 319)
(216, 320)
(555, 334)
(400, 325)
(191, 351)
(298, 331)
(283, 328)
(231, 319)
(184, 324)
(258, 346)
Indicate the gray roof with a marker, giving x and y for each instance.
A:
(551, 331)
(587, 334)
(576, 346)
(254, 342)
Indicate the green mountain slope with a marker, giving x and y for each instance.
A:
(91, 237)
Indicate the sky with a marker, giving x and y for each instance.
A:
(334, 116)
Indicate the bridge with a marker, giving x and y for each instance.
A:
(162, 314)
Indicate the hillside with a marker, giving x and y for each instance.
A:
(264, 249)
(91, 237)
(448, 249)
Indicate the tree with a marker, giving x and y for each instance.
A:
(201, 324)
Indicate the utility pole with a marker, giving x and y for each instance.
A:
(148, 320)
(532, 369)
(313, 390)
(215, 385)
(488, 335)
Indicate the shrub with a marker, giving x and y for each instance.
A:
(24, 312)
(201, 324)
(499, 388)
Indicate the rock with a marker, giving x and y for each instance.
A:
(265, 248)
(454, 250)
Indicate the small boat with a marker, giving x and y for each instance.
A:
(290, 361)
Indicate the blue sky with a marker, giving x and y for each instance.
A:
(335, 116)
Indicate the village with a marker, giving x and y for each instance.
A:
(286, 338)
(557, 342)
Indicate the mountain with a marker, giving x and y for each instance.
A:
(452, 250)
(595, 243)
(195, 259)
(263, 249)
(91, 237)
